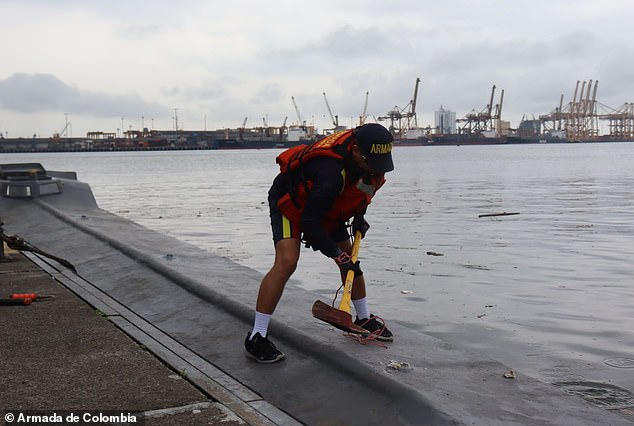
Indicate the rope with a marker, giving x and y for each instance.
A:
(17, 243)
(334, 299)
(370, 339)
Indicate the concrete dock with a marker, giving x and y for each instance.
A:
(61, 355)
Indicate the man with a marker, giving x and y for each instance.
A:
(319, 188)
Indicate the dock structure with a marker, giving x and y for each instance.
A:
(580, 119)
(193, 309)
(584, 118)
(260, 137)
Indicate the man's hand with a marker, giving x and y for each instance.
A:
(344, 261)
(359, 224)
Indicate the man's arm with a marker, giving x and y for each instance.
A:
(328, 181)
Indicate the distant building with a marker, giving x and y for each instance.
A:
(445, 121)
(504, 128)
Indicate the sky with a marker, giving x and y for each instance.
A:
(105, 65)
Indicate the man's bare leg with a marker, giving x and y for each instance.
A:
(273, 283)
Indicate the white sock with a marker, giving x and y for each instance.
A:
(261, 324)
(361, 308)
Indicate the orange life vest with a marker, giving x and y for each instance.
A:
(352, 200)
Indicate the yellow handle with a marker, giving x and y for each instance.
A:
(346, 298)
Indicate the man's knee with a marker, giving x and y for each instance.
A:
(286, 263)
(286, 256)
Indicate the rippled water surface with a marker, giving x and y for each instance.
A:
(548, 291)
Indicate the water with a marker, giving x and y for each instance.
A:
(547, 291)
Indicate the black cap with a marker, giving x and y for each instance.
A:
(375, 144)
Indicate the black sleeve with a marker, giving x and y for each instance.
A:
(328, 181)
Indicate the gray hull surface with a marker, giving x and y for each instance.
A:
(199, 308)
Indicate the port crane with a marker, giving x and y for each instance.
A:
(487, 120)
(283, 128)
(299, 116)
(64, 131)
(579, 118)
(364, 113)
(582, 120)
(243, 127)
(404, 118)
(68, 126)
(335, 119)
(621, 121)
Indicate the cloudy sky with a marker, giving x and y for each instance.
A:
(105, 64)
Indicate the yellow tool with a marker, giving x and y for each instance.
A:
(341, 318)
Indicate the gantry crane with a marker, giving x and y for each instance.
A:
(581, 121)
(404, 118)
(621, 121)
(579, 118)
(488, 120)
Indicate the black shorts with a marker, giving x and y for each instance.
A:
(283, 228)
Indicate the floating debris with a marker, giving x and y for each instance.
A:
(397, 365)
(406, 292)
(433, 253)
(497, 214)
(479, 267)
(482, 315)
(509, 374)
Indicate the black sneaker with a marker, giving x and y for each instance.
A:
(376, 327)
(262, 349)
